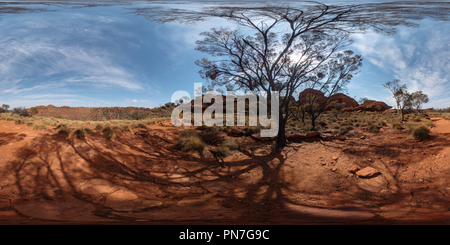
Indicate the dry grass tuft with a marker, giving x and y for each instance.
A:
(189, 140)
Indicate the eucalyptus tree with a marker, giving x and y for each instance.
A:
(418, 98)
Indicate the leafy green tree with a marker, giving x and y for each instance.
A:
(418, 99)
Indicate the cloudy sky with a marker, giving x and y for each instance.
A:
(107, 56)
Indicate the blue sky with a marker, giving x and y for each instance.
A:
(106, 56)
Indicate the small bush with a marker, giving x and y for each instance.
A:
(124, 127)
(373, 128)
(411, 125)
(108, 132)
(420, 132)
(250, 130)
(397, 126)
(30, 124)
(208, 129)
(58, 116)
(39, 126)
(427, 123)
(80, 132)
(63, 129)
(18, 121)
(21, 111)
(189, 140)
(98, 127)
(381, 124)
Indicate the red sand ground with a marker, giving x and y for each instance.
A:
(48, 178)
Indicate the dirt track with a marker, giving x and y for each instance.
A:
(48, 178)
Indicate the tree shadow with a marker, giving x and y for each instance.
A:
(6, 138)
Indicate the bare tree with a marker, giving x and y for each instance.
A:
(309, 51)
(265, 62)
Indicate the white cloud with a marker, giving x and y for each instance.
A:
(52, 58)
(418, 57)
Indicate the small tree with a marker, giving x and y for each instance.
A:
(5, 108)
(21, 111)
(34, 110)
(403, 99)
(417, 99)
(395, 87)
(363, 101)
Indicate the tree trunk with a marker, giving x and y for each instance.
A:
(313, 123)
(281, 140)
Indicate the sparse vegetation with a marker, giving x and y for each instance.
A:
(39, 126)
(373, 128)
(124, 127)
(108, 132)
(419, 132)
(81, 132)
(63, 129)
(21, 112)
(227, 146)
(397, 126)
(427, 123)
(98, 126)
(189, 140)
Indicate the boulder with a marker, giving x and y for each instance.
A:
(367, 172)
(374, 185)
(326, 136)
(342, 98)
(353, 168)
(320, 99)
(377, 106)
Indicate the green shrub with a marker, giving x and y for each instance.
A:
(420, 132)
(30, 124)
(63, 129)
(189, 140)
(58, 116)
(34, 110)
(39, 126)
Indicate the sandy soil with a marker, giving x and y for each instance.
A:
(48, 178)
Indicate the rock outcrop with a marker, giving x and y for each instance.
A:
(320, 99)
